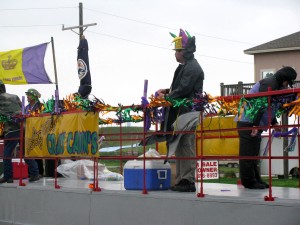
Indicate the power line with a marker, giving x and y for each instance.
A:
(164, 48)
(165, 27)
(22, 9)
(219, 58)
(41, 25)
(129, 19)
(123, 39)
(127, 40)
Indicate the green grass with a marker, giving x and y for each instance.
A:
(131, 136)
(114, 166)
(113, 138)
(291, 182)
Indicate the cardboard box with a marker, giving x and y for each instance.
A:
(158, 175)
(17, 169)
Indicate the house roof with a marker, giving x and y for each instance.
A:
(287, 43)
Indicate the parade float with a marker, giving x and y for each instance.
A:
(68, 127)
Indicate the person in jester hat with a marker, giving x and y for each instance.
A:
(250, 139)
(34, 106)
(187, 83)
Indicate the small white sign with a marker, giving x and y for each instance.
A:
(210, 169)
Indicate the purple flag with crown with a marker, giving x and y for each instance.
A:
(24, 66)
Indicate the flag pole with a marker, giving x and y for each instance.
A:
(54, 63)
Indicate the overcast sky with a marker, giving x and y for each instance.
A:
(131, 42)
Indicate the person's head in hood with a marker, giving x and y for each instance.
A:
(286, 76)
(184, 46)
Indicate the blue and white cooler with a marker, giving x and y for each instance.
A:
(158, 175)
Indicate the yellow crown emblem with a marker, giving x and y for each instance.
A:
(9, 64)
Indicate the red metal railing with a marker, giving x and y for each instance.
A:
(200, 135)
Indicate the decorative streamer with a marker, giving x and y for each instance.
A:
(268, 143)
(292, 143)
(154, 107)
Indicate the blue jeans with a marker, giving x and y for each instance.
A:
(9, 146)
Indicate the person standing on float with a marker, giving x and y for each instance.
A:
(187, 83)
(250, 139)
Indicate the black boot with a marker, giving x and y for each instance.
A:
(6, 180)
(184, 186)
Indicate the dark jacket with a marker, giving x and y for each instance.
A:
(35, 108)
(10, 105)
(262, 117)
(187, 82)
(275, 83)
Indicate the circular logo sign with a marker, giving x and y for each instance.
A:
(82, 68)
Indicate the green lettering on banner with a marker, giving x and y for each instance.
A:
(86, 141)
(51, 144)
(60, 143)
(55, 147)
(79, 142)
(82, 142)
(75, 143)
(69, 146)
(94, 147)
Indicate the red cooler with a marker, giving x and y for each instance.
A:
(17, 169)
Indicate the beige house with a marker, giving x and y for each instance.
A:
(271, 56)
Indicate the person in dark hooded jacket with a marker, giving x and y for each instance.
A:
(10, 105)
(34, 106)
(250, 140)
(187, 82)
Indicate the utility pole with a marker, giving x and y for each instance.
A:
(81, 27)
(84, 74)
(80, 20)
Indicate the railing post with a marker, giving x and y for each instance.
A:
(222, 91)
(240, 88)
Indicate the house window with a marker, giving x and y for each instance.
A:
(267, 73)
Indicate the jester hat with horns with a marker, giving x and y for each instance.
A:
(184, 41)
